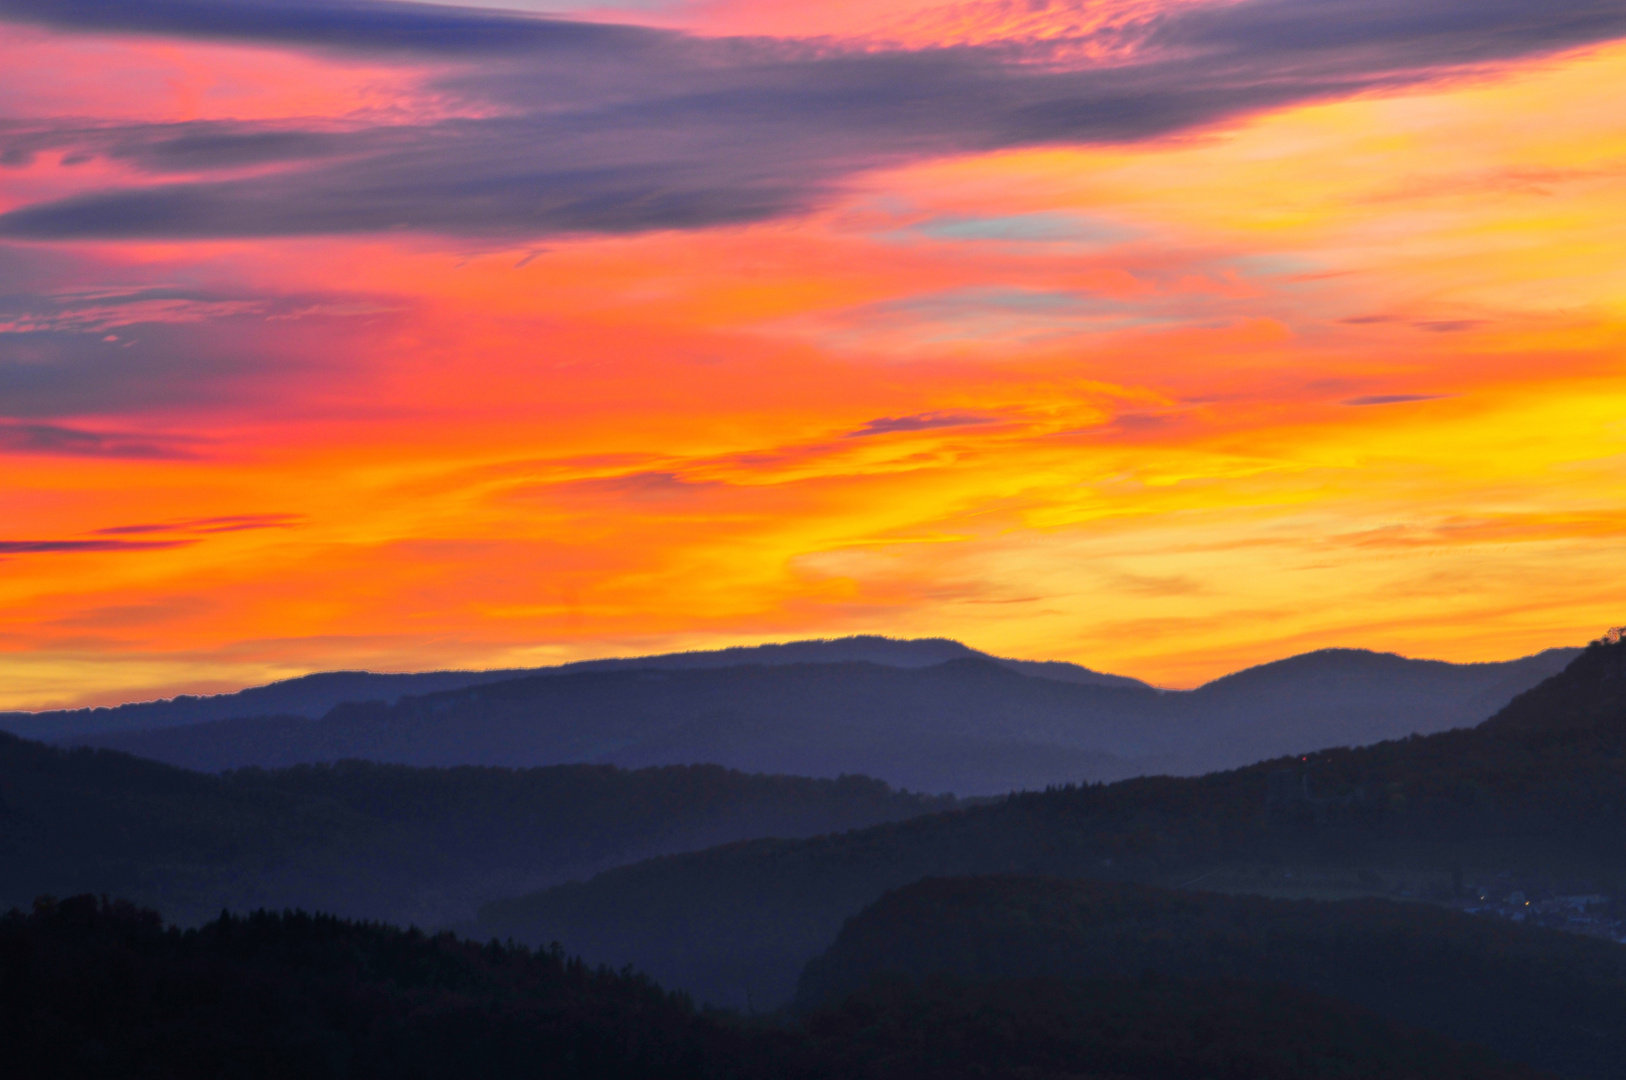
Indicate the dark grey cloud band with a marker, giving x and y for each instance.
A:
(354, 25)
(584, 129)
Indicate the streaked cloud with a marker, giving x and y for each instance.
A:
(1165, 336)
(46, 547)
(578, 128)
(1391, 399)
(363, 25)
(151, 536)
(119, 347)
(887, 425)
(222, 524)
(56, 439)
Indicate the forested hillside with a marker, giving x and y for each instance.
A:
(972, 725)
(379, 841)
(1547, 998)
(93, 990)
(1520, 793)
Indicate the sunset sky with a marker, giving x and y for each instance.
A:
(1163, 336)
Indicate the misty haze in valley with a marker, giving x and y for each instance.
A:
(680, 830)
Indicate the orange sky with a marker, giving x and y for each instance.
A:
(1347, 370)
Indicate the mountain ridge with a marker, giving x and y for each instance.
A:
(1534, 797)
(313, 695)
(971, 724)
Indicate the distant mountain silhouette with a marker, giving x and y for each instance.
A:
(1549, 999)
(312, 696)
(379, 841)
(308, 696)
(971, 725)
(1350, 697)
(1537, 789)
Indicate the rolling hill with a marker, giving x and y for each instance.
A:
(963, 723)
(1541, 787)
(378, 841)
(971, 725)
(312, 696)
(1550, 999)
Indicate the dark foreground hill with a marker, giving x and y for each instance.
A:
(1547, 998)
(974, 725)
(1541, 788)
(379, 841)
(99, 990)
(311, 696)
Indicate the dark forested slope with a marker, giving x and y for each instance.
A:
(973, 725)
(1589, 701)
(1518, 793)
(93, 990)
(380, 841)
(106, 991)
(1550, 999)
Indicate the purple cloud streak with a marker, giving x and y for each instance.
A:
(593, 129)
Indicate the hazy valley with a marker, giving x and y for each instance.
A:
(671, 817)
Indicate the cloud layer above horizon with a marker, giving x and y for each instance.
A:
(1161, 335)
(545, 127)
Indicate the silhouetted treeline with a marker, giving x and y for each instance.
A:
(1117, 1027)
(96, 990)
(379, 841)
(89, 989)
(1516, 793)
(1547, 998)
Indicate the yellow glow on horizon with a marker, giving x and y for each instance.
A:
(1347, 374)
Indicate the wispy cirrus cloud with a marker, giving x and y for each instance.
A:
(887, 425)
(45, 547)
(1392, 399)
(581, 128)
(64, 441)
(71, 348)
(152, 536)
(219, 524)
